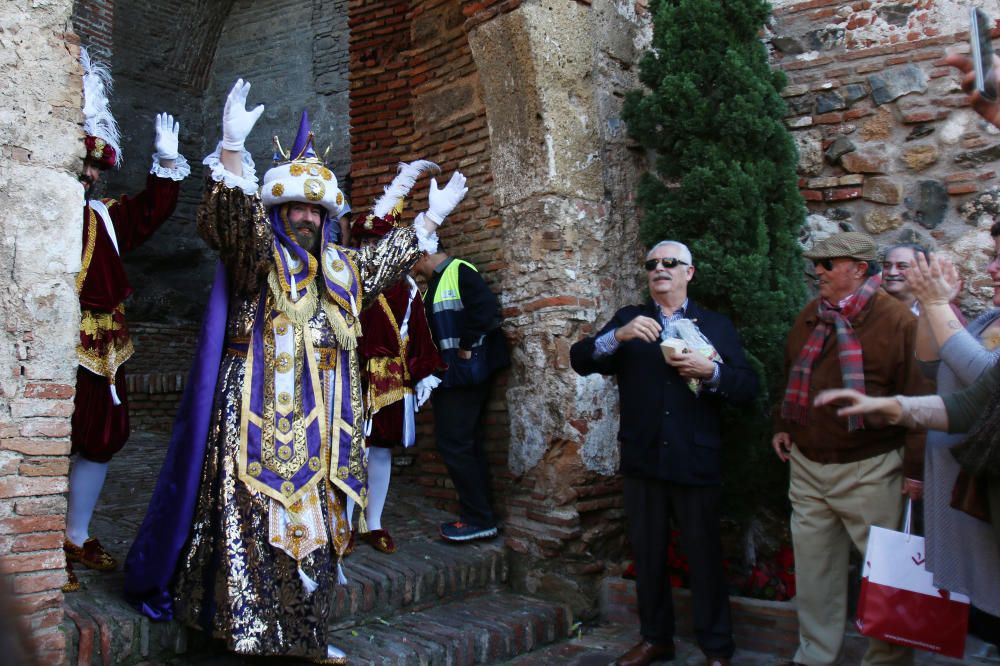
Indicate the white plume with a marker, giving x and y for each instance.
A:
(97, 118)
(406, 176)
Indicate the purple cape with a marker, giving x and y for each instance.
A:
(153, 558)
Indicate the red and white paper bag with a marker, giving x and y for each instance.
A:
(899, 602)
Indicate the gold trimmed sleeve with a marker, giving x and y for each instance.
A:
(383, 264)
(235, 225)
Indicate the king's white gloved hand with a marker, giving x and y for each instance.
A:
(167, 136)
(441, 202)
(236, 120)
(424, 388)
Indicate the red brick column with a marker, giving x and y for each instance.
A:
(415, 95)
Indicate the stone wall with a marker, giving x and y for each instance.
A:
(887, 142)
(553, 76)
(40, 211)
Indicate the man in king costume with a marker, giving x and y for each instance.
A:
(246, 528)
(399, 356)
(100, 425)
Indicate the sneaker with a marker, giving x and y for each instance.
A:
(459, 531)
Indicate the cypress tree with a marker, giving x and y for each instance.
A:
(725, 184)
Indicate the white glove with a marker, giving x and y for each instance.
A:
(424, 388)
(441, 202)
(236, 120)
(167, 133)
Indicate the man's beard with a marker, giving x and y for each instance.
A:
(310, 242)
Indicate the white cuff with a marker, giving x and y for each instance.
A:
(247, 182)
(180, 171)
(434, 217)
(427, 241)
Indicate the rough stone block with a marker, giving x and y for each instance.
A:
(880, 221)
(878, 127)
(896, 82)
(920, 157)
(929, 203)
(829, 101)
(836, 150)
(881, 189)
(983, 156)
(868, 161)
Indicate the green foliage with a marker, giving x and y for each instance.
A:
(725, 185)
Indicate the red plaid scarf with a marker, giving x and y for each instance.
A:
(796, 403)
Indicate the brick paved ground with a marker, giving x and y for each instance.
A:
(430, 603)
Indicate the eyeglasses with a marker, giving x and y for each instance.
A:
(666, 262)
(825, 263)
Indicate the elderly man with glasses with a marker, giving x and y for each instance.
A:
(671, 447)
(845, 475)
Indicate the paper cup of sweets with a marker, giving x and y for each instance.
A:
(672, 347)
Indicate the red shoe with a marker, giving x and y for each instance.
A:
(72, 583)
(92, 555)
(380, 540)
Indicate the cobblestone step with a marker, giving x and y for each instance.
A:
(486, 629)
(102, 629)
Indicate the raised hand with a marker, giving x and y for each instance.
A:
(984, 107)
(167, 136)
(236, 120)
(440, 202)
(932, 280)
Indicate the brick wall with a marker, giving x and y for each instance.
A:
(40, 204)
(887, 142)
(415, 95)
(157, 374)
(92, 22)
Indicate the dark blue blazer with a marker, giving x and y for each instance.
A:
(667, 432)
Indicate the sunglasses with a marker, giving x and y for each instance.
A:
(666, 262)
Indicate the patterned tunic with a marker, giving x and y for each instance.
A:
(247, 571)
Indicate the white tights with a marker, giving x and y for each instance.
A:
(86, 480)
(379, 474)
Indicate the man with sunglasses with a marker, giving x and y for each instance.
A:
(845, 475)
(671, 448)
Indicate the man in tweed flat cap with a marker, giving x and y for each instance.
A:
(845, 475)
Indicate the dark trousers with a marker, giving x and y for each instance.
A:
(457, 412)
(649, 504)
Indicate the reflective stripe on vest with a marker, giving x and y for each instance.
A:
(447, 305)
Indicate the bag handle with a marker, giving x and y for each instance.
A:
(907, 517)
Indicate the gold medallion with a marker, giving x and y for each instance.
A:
(287, 488)
(277, 189)
(313, 189)
(254, 469)
(284, 362)
(314, 464)
(285, 452)
(284, 425)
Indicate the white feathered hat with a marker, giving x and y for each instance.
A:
(103, 140)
